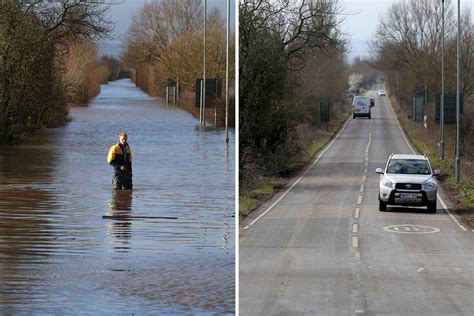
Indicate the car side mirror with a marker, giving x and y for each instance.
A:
(437, 172)
(379, 170)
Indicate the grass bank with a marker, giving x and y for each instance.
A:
(269, 186)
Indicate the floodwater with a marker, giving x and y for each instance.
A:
(167, 247)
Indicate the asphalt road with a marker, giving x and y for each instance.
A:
(323, 248)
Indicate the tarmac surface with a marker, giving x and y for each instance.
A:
(321, 246)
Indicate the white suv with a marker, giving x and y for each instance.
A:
(408, 180)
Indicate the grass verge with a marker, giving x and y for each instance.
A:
(269, 186)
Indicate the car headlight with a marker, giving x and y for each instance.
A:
(430, 185)
(387, 183)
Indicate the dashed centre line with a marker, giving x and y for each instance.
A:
(355, 225)
(355, 228)
(355, 242)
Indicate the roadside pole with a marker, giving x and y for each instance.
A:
(227, 75)
(458, 53)
(200, 104)
(441, 114)
(177, 89)
(204, 71)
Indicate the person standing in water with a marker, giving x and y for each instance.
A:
(120, 157)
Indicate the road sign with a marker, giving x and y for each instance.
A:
(418, 109)
(324, 111)
(421, 93)
(449, 107)
(213, 91)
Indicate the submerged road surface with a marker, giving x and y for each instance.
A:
(325, 249)
(167, 247)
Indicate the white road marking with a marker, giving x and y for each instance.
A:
(450, 214)
(359, 199)
(355, 228)
(357, 212)
(365, 170)
(300, 178)
(362, 187)
(420, 269)
(411, 229)
(364, 177)
(355, 242)
(359, 311)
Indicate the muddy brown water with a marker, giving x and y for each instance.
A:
(58, 254)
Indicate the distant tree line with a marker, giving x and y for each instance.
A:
(291, 58)
(45, 61)
(115, 68)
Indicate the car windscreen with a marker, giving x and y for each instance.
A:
(408, 166)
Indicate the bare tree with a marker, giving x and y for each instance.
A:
(281, 44)
(166, 39)
(408, 43)
(34, 39)
(303, 27)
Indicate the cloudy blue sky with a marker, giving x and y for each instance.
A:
(361, 18)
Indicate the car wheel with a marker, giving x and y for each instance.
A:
(382, 206)
(432, 207)
(369, 117)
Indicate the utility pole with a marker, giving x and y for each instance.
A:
(200, 103)
(177, 89)
(458, 106)
(227, 75)
(441, 114)
(203, 95)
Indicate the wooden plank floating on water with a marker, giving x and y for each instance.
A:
(136, 217)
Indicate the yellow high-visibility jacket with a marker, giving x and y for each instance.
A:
(116, 157)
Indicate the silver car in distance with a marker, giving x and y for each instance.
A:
(408, 180)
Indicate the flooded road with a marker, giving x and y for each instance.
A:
(165, 247)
